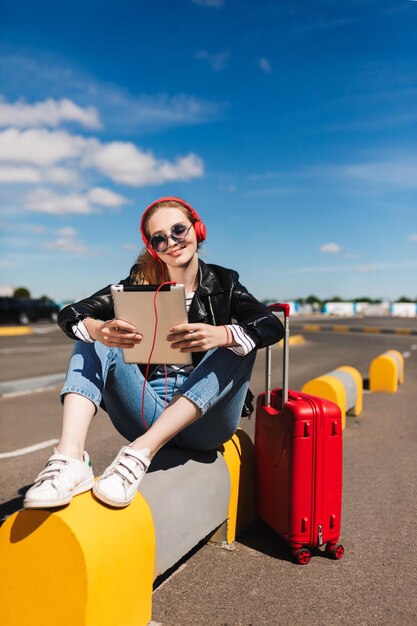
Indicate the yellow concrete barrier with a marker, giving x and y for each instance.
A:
(14, 331)
(329, 388)
(294, 340)
(344, 386)
(312, 328)
(82, 565)
(386, 372)
(340, 328)
(238, 453)
(87, 564)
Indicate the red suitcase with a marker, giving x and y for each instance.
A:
(298, 461)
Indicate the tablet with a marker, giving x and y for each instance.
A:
(135, 304)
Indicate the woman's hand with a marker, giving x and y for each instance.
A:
(114, 333)
(198, 337)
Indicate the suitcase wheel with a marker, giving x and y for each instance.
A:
(335, 551)
(302, 556)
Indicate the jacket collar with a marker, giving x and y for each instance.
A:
(209, 284)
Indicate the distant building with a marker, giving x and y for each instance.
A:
(6, 290)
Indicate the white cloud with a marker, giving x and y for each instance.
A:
(60, 176)
(40, 147)
(122, 162)
(270, 191)
(208, 3)
(229, 188)
(412, 237)
(371, 267)
(19, 175)
(265, 175)
(361, 269)
(328, 269)
(330, 248)
(127, 164)
(119, 110)
(67, 244)
(67, 231)
(33, 229)
(105, 197)
(265, 65)
(50, 113)
(18, 242)
(31, 175)
(160, 111)
(398, 173)
(217, 62)
(46, 201)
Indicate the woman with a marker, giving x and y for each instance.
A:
(197, 406)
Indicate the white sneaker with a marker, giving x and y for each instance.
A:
(119, 483)
(62, 478)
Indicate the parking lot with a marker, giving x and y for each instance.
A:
(257, 583)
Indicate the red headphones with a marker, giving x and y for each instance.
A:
(199, 226)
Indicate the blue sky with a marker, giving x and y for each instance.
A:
(290, 126)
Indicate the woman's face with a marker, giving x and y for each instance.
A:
(161, 222)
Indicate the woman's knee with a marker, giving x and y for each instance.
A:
(225, 358)
(212, 430)
(219, 381)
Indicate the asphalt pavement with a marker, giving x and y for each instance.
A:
(256, 583)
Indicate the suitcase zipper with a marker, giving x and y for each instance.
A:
(316, 419)
(315, 485)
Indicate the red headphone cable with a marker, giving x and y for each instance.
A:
(151, 352)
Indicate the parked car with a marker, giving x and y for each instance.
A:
(26, 310)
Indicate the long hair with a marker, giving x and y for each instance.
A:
(148, 270)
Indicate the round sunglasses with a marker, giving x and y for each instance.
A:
(178, 234)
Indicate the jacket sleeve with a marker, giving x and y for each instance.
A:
(99, 306)
(255, 318)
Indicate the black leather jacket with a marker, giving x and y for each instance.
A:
(220, 299)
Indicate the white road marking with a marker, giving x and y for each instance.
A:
(406, 355)
(22, 451)
(30, 385)
(23, 349)
(26, 392)
(42, 331)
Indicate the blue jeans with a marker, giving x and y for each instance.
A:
(218, 386)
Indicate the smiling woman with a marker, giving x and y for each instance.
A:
(157, 243)
(195, 406)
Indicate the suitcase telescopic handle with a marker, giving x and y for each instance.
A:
(279, 308)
